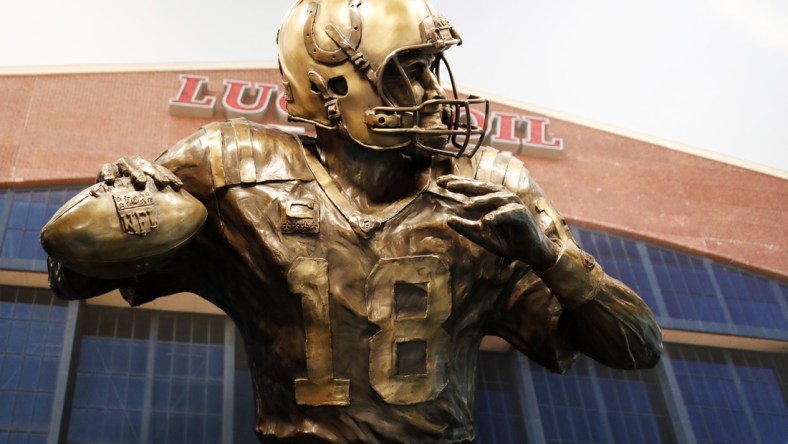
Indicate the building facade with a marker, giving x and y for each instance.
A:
(702, 240)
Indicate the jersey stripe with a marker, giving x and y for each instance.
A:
(514, 176)
(243, 140)
(499, 168)
(486, 165)
(230, 155)
(213, 141)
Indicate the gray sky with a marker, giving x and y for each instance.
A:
(707, 73)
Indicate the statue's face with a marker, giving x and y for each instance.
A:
(413, 86)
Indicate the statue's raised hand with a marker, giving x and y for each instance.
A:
(497, 219)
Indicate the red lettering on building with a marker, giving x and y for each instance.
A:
(192, 100)
(511, 132)
(240, 100)
(535, 134)
(477, 118)
(505, 127)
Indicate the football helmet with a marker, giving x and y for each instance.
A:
(341, 60)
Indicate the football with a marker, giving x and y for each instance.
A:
(116, 231)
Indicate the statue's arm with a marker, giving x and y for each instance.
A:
(68, 284)
(185, 166)
(593, 313)
(190, 270)
(604, 318)
(561, 301)
(614, 326)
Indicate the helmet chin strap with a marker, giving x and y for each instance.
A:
(329, 98)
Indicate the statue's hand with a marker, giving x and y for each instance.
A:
(138, 170)
(497, 219)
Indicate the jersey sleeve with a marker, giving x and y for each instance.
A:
(209, 159)
(187, 271)
(220, 155)
(551, 314)
(194, 269)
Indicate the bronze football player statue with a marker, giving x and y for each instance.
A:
(364, 266)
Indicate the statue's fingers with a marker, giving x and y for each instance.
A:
(171, 179)
(109, 172)
(492, 201)
(510, 212)
(144, 166)
(127, 167)
(159, 178)
(443, 180)
(469, 187)
(468, 228)
(514, 218)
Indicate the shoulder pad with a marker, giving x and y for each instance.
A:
(500, 168)
(241, 152)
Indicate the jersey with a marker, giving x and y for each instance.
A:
(359, 327)
(365, 327)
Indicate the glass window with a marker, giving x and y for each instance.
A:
(188, 379)
(620, 259)
(592, 403)
(498, 417)
(182, 376)
(31, 338)
(686, 286)
(568, 407)
(749, 298)
(689, 287)
(764, 380)
(22, 438)
(717, 412)
(633, 405)
(109, 391)
(28, 211)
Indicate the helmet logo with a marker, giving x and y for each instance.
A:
(331, 56)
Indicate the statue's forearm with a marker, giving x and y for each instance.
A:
(69, 284)
(617, 328)
(609, 322)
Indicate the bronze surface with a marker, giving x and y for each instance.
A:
(362, 268)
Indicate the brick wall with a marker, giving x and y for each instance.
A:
(61, 128)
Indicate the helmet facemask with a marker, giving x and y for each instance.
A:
(415, 103)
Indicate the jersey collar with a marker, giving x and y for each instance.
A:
(363, 224)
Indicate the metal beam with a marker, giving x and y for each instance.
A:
(526, 396)
(66, 376)
(674, 402)
(228, 401)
